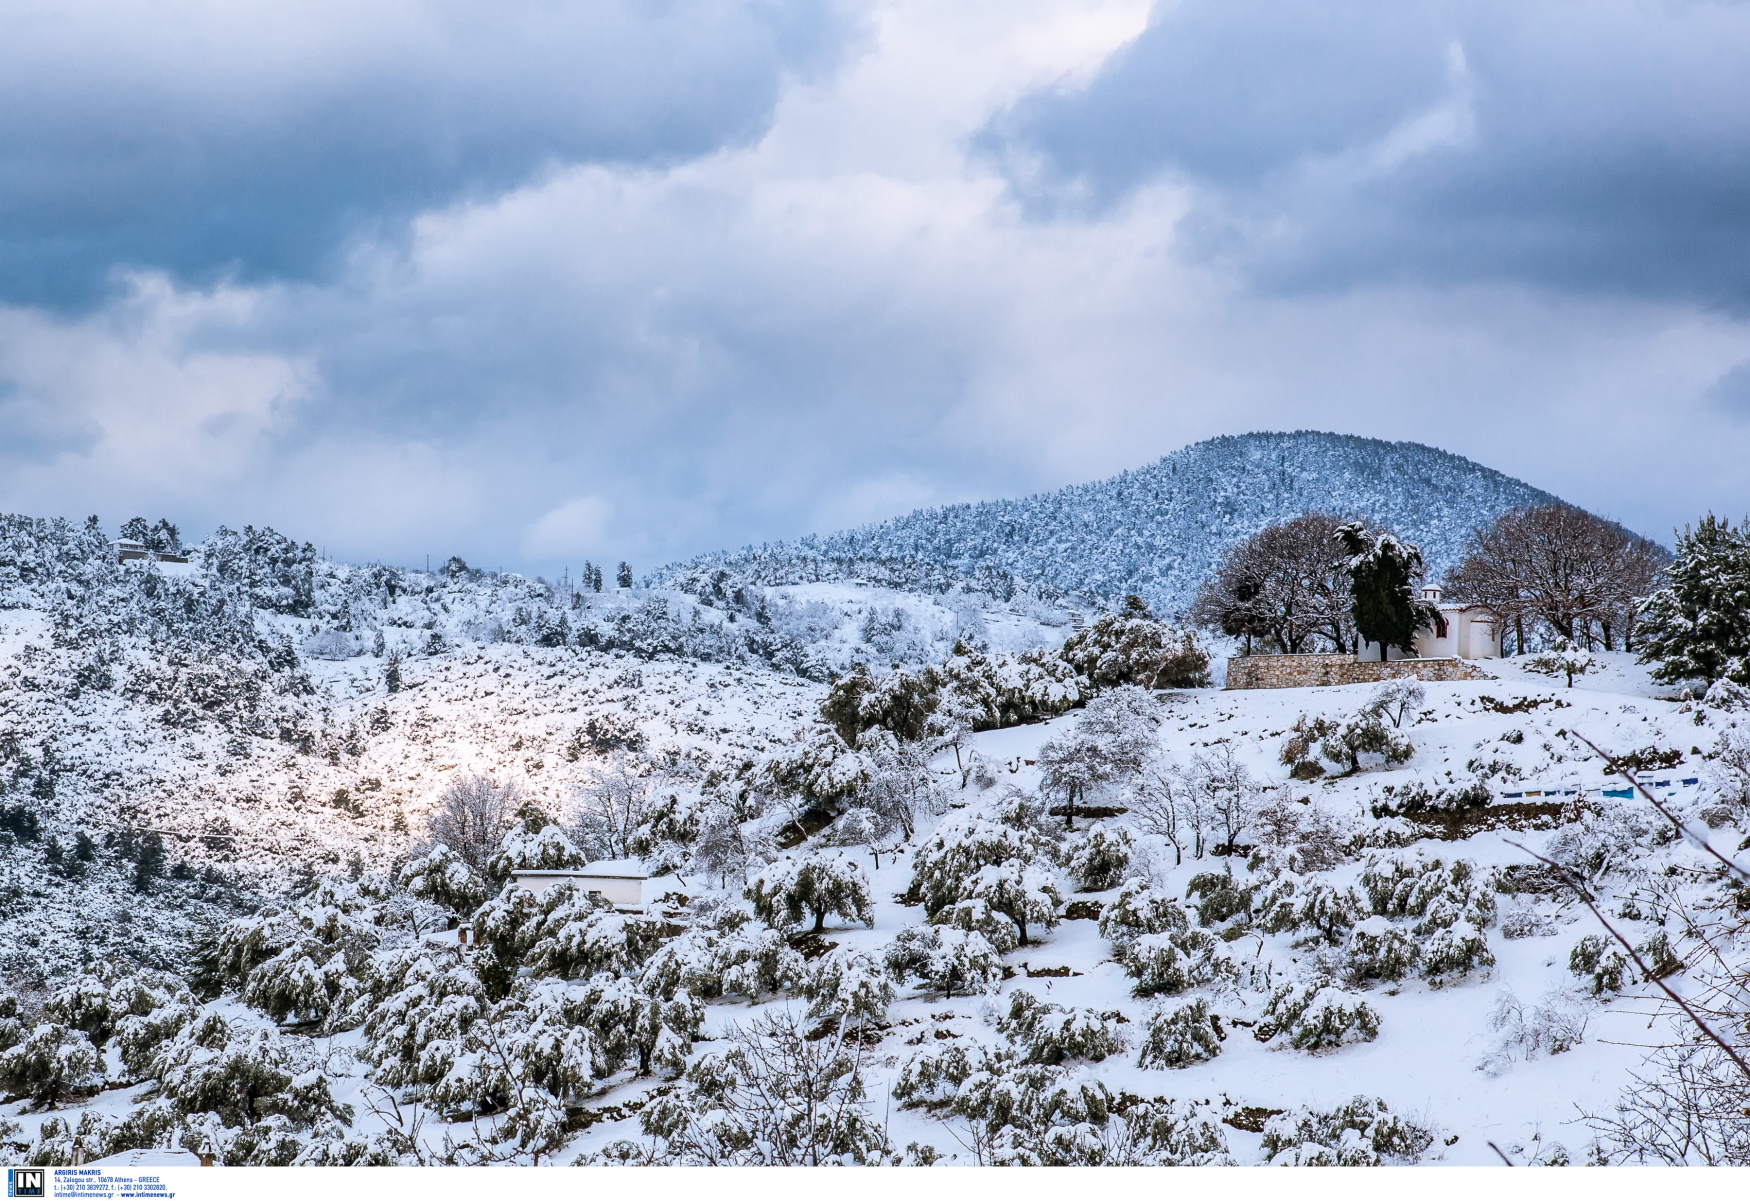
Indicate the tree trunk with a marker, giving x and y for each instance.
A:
(819, 921)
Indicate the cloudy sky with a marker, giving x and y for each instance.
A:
(535, 282)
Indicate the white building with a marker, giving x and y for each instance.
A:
(622, 883)
(1469, 632)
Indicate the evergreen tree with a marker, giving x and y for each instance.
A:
(1383, 572)
(392, 672)
(150, 864)
(135, 529)
(623, 577)
(1697, 627)
(164, 538)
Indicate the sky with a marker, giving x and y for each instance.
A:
(535, 283)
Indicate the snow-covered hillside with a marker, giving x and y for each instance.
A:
(1155, 531)
(984, 898)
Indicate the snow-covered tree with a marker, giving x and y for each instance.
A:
(1098, 859)
(609, 809)
(1697, 626)
(1383, 574)
(945, 959)
(776, 1097)
(1109, 747)
(51, 1064)
(1131, 647)
(1564, 660)
(472, 818)
(1180, 1036)
(814, 885)
(848, 985)
(443, 877)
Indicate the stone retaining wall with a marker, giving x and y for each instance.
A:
(1316, 671)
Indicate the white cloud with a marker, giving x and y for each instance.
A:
(577, 528)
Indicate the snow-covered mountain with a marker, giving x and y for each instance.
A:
(1155, 531)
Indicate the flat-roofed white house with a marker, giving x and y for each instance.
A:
(622, 883)
(1467, 632)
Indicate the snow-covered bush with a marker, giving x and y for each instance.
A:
(944, 959)
(543, 848)
(563, 932)
(977, 855)
(303, 958)
(1343, 743)
(242, 1072)
(1596, 960)
(849, 985)
(1397, 699)
(1051, 1034)
(1098, 859)
(1139, 909)
(1437, 893)
(1162, 964)
(1363, 1133)
(1556, 1024)
(97, 1002)
(1564, 660)
(977, 916)
(1131, 647)
(1294, 903)
(51, 1064)
(775, 1097)
(814, 884)
(1220, 897)
(1453, 952)
(1029, 1114)
(1180, 1037)
(1379, 950)
(1317, 1015)
(443, 877)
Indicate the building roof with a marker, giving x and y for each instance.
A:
(601, 869)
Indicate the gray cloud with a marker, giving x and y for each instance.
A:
(255, 143)
(1600, 147)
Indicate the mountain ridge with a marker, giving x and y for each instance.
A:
(1155, 530)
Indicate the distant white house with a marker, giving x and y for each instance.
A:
(1466, 632)
(622, 883)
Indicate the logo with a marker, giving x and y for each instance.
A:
(25, 1182)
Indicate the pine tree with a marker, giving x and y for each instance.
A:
(392, 672)
(1697, 627)
(150, 864)
(623, 577)
(135, 529)
(1382, 573)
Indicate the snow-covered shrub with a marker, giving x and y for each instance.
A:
(1437, 893)
(1379, 950)
(775, 1097)
(1453, 952)
(1316, 1015)
(303, 959)
(944, 959)
(51, 1064)
(1608, 840)
(97, 1002)
(1045, 1033)
(443, 877)
(1098, 859)
(1526, 923)
(63, 1141)
(1293, 903)
(544, 848)
(814, 884)
(563, 932)
(1179, 1037)
(1397, 699)
(242, 1072)
(1564, 660)
(1131, 647)
(1162, 964)
(1556, 1024)
(1028, 1114)
(1110, 746)
(1139, 909)
(1220, 897)
(849, 985)
(1342, 743)
(976, 915)
(1596, 960)
(1362, 1133)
